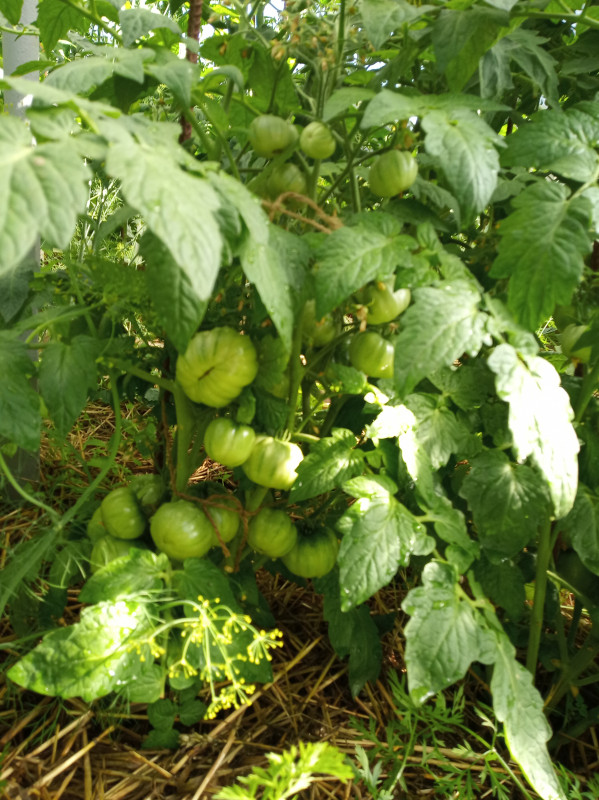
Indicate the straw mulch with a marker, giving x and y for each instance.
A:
(66, 750)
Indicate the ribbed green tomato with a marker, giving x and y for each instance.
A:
(272, 533)
(182, 530)
(568, 340)
(318, 332)
(149, 490)
(272, 463)
(372, 354)
(384, 304)
(317, 141)
(286, 178)
(228, 442)
(122, 515)
(314, 555)
(270, 135)
(107, 549)
(216, 366)
(224, 514)
(95, 527)
(392, 173)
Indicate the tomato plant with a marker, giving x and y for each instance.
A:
(317, 141)
(228, 442)
(313, 555)
(181, 530)
(272, 533)
(392, 173)
(216, 365)
(273, 463)
(269, 135)
(106, 549)
(121, 514)
(372, 354)
(286, 178)
(385, 304)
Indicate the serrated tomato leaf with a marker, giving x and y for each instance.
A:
(330, 462)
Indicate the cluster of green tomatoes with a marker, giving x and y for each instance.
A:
(391, 172)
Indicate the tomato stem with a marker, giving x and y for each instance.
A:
(544, 551)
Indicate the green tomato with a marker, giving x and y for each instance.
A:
(318, 332)
(228, 442)
(317, 141)
(216, 366)
(313, 556)
(149, 491)
(270, 135)
(384, 304)
(182, 530)
(223, 513)
(392, 173)
(272, 533)
(570, 335)
(584, 582)
(107, 549)
(286, 178)
(372, 354)
(121, 514)
(95, 527)
(272, 463)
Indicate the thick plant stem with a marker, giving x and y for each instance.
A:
(536, 621)
(295, 370)
(185, 431)
(588, 388)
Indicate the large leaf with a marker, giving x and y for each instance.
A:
(440, 326)
(67, 372)
(331, 462)
(388, 106)
(42, 190)
(55, 19)
(520, 707)
(464, 149)
(20, 420)
(348, 258)
(124, 578)
(582, 527)
(179, 308)
(557, 141)
(379, 535)
(444, 634)
(508, 501)
(137, 22)
(541, 250)
(83, 74)
(383, 17)
(438, 430)
(540, 419)
(92, 657)
(178, 207)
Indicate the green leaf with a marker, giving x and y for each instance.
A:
(179, 308)
(444, 634)
(508, 502)
(350, 257)
(461, 36)
(88, 659)
(329, 464)
(82, 75)
(42, 190)
(556, 141)
(582, 527)
(55, 19)
(379, 536)
(450, 525)
(20, 420)
(138, 22)
(540, 420)
(139, 573)
(536, 62)
(273, 358)
(345, 380)
(154, 182)
(66, 373)
(192, 711)
(352, 633)
(343, 99)
(176, 73)
(464, 149)
(201, 577)
(520, 707)
(439, 327)
(164, 739)
(383, 17)
(147, 686)
(437, 429)
(162, 714)
(468, 385)
(541, 250)
(503, 583)
(388, 106)
(12, 10)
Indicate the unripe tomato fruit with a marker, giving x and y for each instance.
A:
(286, 178)
(223, 513)
(372, 354)
(270, 135)
(216, 366)
(121, 514)
(392, 173)
(314, 555)
(568, 339)
(228, 442)
(317, 141)
(95, 527)
(149, 491)
(182, 530)
(107, 549)
(384, 304)
(318, 332)
(272, 463)
(272, 533)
